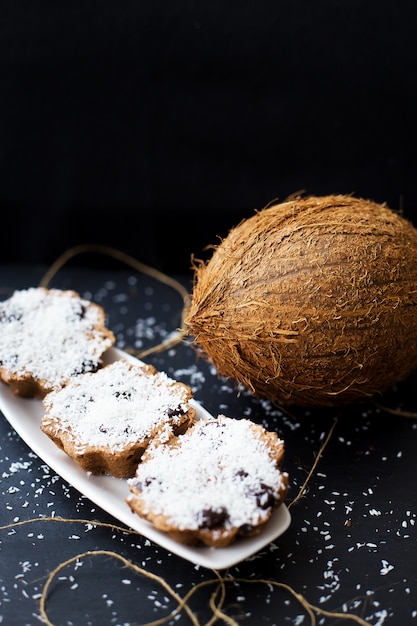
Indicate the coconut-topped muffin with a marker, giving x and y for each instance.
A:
(48, 336)
(220, 480)
(105, 420)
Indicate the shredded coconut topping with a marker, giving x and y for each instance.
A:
(220, 473)
(119, 404)
(50, 335)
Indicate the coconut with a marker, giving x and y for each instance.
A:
(311, 301)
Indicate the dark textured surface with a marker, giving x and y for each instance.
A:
(350, 546)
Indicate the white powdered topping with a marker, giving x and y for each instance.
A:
(220, 467)
(49, 335)
(115, 406)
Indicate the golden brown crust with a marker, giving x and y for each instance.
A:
(24, 387)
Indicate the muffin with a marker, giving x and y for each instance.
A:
(105, 420)
(48, 336)
(220, 480)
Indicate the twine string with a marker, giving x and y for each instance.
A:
(159, 579)
(303, 487)
(396, 412)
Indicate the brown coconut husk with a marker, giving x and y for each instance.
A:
(311, 301)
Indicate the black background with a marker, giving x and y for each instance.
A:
(156, 126)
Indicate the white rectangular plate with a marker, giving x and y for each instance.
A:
(110, 493)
